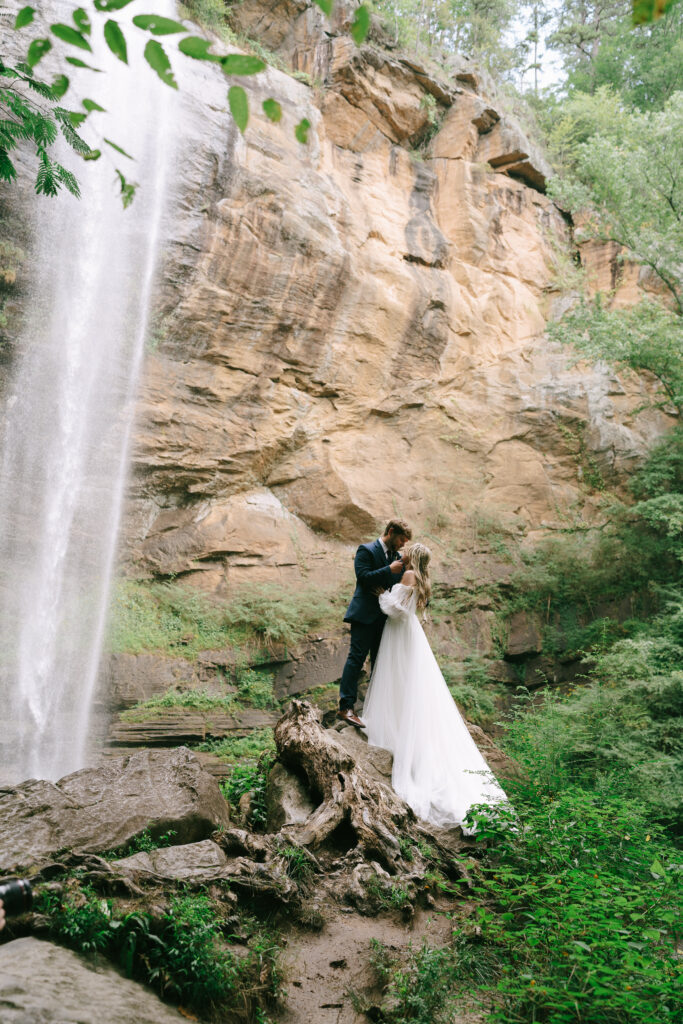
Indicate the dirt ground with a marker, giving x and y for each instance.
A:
(323, 970)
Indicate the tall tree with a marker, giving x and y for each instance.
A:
(582, 28)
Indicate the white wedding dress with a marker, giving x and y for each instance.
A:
(438, 769)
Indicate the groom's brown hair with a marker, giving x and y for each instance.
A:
(398, 526)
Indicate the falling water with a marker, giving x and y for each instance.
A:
(68, 417)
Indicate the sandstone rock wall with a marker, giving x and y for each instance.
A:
(355, 327)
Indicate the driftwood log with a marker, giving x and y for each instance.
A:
(349, 797)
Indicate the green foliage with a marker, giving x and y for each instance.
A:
(610, 728)
(646, 337)
(182, 953)
(478, 28)
(252, 778)
(579, 904)
(418, 988)
(22, 118)
(627, 189)
(29, 113)
(298, 864)
(143, 843)
(181, 621)
(198, 700)
(388, 895)
(234, 749)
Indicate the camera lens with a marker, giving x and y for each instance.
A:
(17, 896)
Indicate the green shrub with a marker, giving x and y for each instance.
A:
(418, 988)
(579, 903)
(250, 778)
(182, 954)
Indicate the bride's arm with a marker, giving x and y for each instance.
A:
(396, 603)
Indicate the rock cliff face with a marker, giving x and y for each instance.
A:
(355, 327)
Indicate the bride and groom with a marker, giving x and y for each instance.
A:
(438, 769)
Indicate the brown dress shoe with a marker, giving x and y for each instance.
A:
(350, 716)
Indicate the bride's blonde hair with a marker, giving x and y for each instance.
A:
(418, 560)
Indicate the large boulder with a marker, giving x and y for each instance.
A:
(45, 984)
(102, 808)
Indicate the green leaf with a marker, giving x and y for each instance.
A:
(645, 11)
(360, 25)
(8, 171)
(155, 56)
(111, 5)
(78, 63)
(239, 106)
(158, 25)
(127, 190)
(81, 21)
(94, 154)
(196, 47)
(76, 118)
(60, 86)
(24, 17)
(91, 105)
(272, 110)
(240, 64)
(325, 6)
(69, 35)
(115, 40)
(657, 870)
(37, 50)
(68, 180)
(301, 131)
(118, 148)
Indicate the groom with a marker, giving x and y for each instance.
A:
(377, 567)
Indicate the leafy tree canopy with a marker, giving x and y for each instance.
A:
(31, 109)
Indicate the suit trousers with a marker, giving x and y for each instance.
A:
(365, 639)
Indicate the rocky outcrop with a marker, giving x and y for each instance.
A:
(101, 808)
(41, 983)
(356, 326)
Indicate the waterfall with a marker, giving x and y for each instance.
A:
(69, 412)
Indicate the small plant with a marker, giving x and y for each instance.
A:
(235, 749)
(255, 688)
(406, 845)
(298, 865)
(418, 988)
(143, 843)
(388, 895)
(250, 778)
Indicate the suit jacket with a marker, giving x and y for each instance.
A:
(372, 571)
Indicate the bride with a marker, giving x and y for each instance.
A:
(438, 768)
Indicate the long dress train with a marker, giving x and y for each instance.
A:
(438, 769)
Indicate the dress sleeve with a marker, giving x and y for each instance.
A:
(397, 603)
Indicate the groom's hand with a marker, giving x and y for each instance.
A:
(397, 566)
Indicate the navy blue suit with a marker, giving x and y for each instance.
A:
(365, 615)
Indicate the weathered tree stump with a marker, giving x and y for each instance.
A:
(348, 795)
